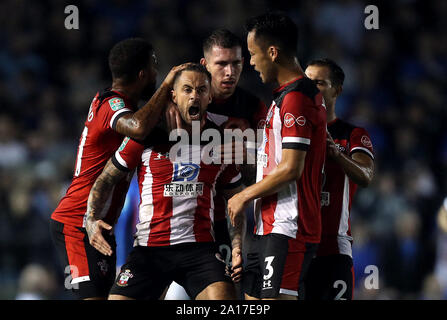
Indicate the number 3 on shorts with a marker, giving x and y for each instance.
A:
(269, 267)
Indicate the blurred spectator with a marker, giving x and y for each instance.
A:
(36, 283)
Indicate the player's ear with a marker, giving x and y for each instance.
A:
(273, 53)
(174, 96)
(338, 90)
(141, 75)
(203, 62)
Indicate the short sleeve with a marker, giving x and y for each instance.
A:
(116, 108)
(128, 156)
(360, 141)
(296, 130)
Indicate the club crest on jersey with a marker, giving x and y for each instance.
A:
(366, 142)
(289, 120)
(185, 171)
(124, 278)
(116, 104)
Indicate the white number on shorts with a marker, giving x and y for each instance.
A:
(81, 149)
(342, 291)
(269, 267)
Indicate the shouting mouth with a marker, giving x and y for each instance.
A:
(194, 112)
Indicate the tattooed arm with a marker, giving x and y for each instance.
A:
(99, 193)
(236, 233)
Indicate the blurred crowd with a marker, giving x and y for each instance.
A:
(395, 88)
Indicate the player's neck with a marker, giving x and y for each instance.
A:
(330, 112)
(289, 71)
(126, 90)
(220, 96)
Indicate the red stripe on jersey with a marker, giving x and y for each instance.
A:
(268, 209)
(202, 218)
(160, 228)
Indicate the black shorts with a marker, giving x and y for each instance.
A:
(89, 273)
(223, 241)
(276, 264)
(330, 278)
(149, 270)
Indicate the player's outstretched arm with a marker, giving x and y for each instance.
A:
(97, 199)
(138, 125)
(290, 168)
(359, 168)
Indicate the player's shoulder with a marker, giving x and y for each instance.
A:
(302, 86)
(301, 91)
(349, 126)
(348, 130)
(112, 100)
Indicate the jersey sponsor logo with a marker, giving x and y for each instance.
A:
(124, 278)
(116, 104)
(185, 171)
(191, 190)
(289, 120)
(366, 141)
(301, 121)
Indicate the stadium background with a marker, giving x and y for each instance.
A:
(395, 87)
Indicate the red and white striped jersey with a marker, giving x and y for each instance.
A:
(296, 120)
(339, 190)
(176, 204)
(98, 142)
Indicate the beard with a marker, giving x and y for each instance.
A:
(148, 91)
